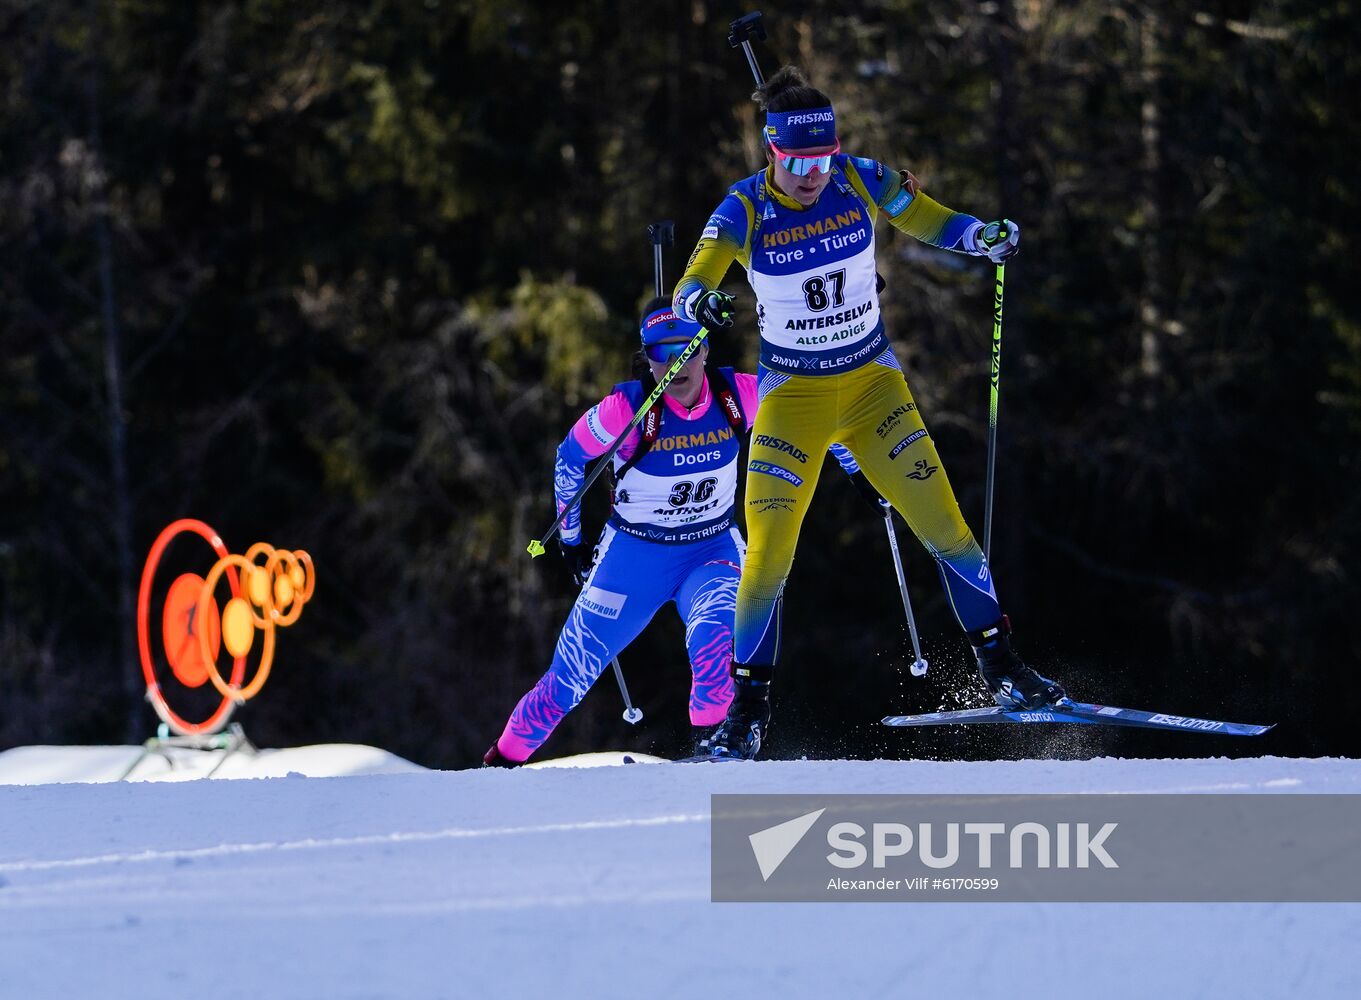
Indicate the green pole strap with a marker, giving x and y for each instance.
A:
(995, 378)
(537, 548)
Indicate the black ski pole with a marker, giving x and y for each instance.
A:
(741, 32)
(632, 715)
(662, 234)
(919, 665)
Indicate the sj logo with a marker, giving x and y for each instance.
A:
(924, 470)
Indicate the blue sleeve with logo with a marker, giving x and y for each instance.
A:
(885, 187)
(917, 215)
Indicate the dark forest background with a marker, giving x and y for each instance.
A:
(339, 276)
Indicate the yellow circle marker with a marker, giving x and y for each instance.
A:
(298, 577)
(261, 594)
(283, 590)
(238, 629)
(257, 586)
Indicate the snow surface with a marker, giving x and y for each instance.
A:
(589, 882)
(42, 765)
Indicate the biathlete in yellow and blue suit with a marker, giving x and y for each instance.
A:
(804, 230)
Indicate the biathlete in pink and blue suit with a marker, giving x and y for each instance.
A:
(669, 539)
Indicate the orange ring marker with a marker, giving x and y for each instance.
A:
(264, 596)
(238, 631)
(177, 723)
(286, 591)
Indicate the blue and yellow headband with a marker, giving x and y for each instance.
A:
(801, 129)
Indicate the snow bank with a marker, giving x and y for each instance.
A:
(41, 765)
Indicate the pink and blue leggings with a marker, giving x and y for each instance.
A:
(632, 579)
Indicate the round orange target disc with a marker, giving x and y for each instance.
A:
(180, 628)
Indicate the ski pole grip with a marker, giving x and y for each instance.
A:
(663, 233)
(745, 28)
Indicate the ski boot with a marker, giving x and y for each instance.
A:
(494, 758)
(700, 737)
(1013, 684)
(740, 735)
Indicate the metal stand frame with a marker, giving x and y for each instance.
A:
(232, 740)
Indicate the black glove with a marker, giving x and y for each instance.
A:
(579, 559)
(714, 311)
(871, 496)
